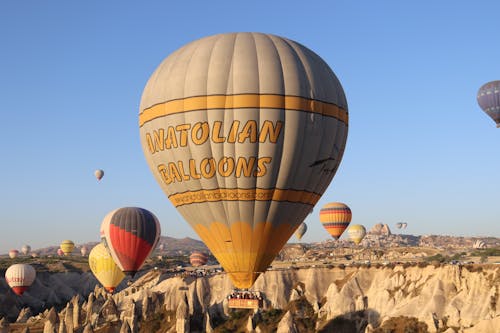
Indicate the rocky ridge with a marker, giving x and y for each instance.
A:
(451, 298)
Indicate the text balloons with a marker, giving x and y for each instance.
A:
(104, 267)
(20, 277)
(243, 132)
(488, 98)
(131, 234)
(335, 217)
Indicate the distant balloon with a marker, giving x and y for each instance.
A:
(34, 255)
(13, 253)
(488, 98)
(301, 230)
(356, 233)
(244, 132)
(335, 217)
(399, 225)
(198, 258)
(84, 250)
(67, 247)
(20, 277)
(404, 225)
(60, 252)
(26, 249)
(99, 174)
(104, 267)
(131, 234)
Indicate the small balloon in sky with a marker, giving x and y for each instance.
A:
(99, 174)
(488, 98)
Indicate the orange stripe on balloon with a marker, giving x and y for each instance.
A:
(229, 102)
(238, 194)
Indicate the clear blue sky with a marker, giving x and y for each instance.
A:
(419, 148)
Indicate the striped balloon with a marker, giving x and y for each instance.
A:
(131, 234)
(198, 258)
(335, 217)
(488, 98)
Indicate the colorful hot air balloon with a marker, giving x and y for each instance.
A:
(26, 249)
(99, 174)
(198, 258)
(20, 277)
(13, 253)
(60, 252)
(335, 217)
(356, 233)
(488, 98)
(84, 250)
(104, 267)
(301, 230)
(131, 234)
(67, 247)
(243, 132)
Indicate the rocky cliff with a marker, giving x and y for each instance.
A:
(361, 299)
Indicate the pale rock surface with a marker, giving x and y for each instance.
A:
(107, 313)
(62, 328)
(207, 325)
(68, 317)
(88, 328)
(125, 328)
(4, 326)
(51, 319)
(182, 317)
(485, 326)
(24, 315)
(286, 324)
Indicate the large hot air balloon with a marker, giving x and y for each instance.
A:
(198, 258)
(26, 249)
(13, 253)
(20, 277)
(60, 252)
(356, 233)
(131, 234)
(104, 267)
(84, 250)
(488, 98)
(67, 247)
(243, 132)
(99, 174)
(301, 230)
(335, 217)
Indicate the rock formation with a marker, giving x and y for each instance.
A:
(441, 297)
